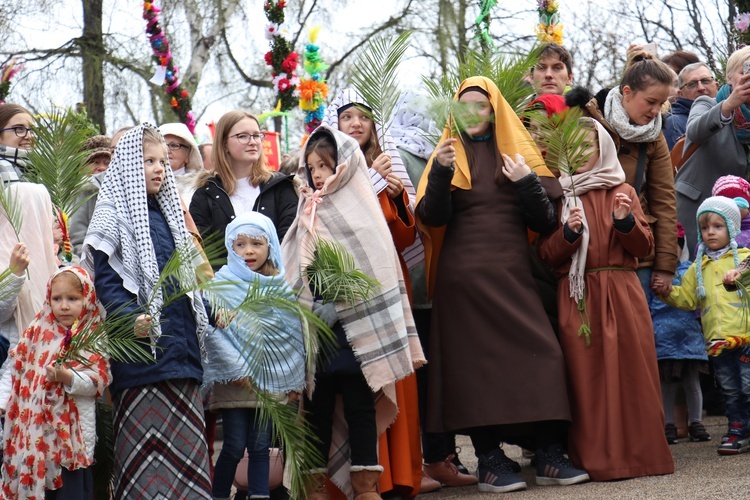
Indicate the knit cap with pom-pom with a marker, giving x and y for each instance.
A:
(731, 186)
(730, 212)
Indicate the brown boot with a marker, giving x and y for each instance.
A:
(315, 489)
(365, 481)
(446, 473)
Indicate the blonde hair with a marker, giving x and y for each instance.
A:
(153, 136)
(734, 63)
(222, 160)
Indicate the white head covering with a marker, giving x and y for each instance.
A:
(120, 228)
(195, 162)
(412, 126)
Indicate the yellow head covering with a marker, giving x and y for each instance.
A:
(511, 137)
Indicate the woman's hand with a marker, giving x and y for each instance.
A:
(739, 96)
(395, 186)
(575, 221)
(142, 325)
(57, 234)
(445, 153)
(19, 259)
(515, 170)
(382, 165)
(731, 276)
(622, 206)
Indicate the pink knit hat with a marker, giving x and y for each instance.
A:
(732, 186)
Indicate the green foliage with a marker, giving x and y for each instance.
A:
(58, 160)
(10, 204)
(334, 276)
(104, 451)
(374, 77)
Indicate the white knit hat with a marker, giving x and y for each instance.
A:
(730, 212)
(195, 162)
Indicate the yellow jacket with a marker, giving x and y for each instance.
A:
(723, 313)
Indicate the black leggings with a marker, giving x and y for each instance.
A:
(359, 412)
(530, 435)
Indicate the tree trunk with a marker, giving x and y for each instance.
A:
(463, 43)
(92, 51)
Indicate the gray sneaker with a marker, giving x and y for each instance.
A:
(497, 473)
(553, 467)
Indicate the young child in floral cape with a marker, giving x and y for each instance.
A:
(377, 339)
(50, 420)
(272, 359)
(617, 424)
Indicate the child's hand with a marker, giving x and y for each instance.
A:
(224, 317)
(59, 374)
(19, 259)
(515, 170)
(445, 153)
(575, 221)
(142, 325)
(57, 234)
(382, 165)
(622, 206)
(395, 186)
(731, 276)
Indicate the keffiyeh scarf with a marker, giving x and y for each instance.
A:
(616, 116)
(380, 330)
(413, 254)
(42, 428)
(120, 228)
(412, 127)
(605, 174)
(273, 357)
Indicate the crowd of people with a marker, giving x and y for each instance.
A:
(558, 309)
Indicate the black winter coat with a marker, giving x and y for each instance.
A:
(212, 209)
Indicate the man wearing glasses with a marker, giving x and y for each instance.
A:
(694, 81)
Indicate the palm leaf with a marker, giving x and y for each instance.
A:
(6, 290)
(374, 76)
(57, 159)
(10, 204)
(104, 451)
(333, 275)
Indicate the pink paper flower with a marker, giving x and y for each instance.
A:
(742, 22)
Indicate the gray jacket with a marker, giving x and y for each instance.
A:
(80, 220)
(719, 153)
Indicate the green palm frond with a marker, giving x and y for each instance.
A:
(104, 451)
(6, 290)
(563, 137)
(57, 159)
(374, 77)
(10, 204)
(334, 276)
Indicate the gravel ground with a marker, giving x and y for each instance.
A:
(700, 473)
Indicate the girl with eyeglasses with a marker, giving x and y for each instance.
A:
(241, 181)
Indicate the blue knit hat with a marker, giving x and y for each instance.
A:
(730, 212)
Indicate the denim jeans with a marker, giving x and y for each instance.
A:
(644, 276)
(242, 431)
(732, 370)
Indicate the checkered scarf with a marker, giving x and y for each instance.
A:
(120, 228)
(414, 254)
(380, 330)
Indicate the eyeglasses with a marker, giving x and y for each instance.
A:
(19, 130)
(703, 81)
(175, 146)
(246, 138)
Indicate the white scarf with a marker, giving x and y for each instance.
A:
(412, 127)
(606, 173)
(120, 228)
(618, 118)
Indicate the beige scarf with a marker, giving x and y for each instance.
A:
(606, 173)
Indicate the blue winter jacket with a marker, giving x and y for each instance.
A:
(677, 333)
(676, 121)
(179, 356)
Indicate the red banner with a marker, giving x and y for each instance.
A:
(272, 150)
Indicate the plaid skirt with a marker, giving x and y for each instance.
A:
(160, 447)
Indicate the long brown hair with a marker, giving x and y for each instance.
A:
(220, 155)
(8, 111)
(372, 150)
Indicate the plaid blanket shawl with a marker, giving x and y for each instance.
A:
(380, 330)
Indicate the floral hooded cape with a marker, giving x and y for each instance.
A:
(42, 428)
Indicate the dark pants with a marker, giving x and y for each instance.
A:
(530, 435)
(77, 485)
(732, 370)
(359, 412)
(436, 446)
(243, 431)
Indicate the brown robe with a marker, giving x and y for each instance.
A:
(494, 358)
(618, 421)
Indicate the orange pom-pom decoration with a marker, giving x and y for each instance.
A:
(174, 102)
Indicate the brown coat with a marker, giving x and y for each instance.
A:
(657, 194)
(617, 428)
